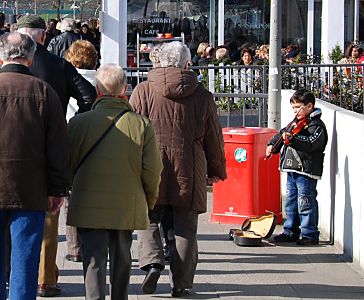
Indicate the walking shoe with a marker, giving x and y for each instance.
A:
(307, 242)
(284, 238)
(74, 258)
(48, 290)
(150, 281)
(177, 293)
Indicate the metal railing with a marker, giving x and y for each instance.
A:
(241, 92)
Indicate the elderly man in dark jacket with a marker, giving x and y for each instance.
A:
(34, 173)
(60, 43)
(190, 140)
(67, 82)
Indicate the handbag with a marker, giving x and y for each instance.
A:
(113, 123)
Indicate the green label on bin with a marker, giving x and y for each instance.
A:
(240, 155)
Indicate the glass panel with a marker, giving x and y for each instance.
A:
(317, 28)
(361, 21)
(294, 20)
(153, 17)
(247, 21)
(348, 22)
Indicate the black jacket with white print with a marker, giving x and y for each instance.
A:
(305, 153)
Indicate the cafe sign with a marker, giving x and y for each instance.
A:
(153, 26)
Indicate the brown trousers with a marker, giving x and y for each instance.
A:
(48, 270)
(185, 251)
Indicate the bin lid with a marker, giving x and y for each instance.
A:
(245, 134)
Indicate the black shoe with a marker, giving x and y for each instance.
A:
(74, 258)
(176, 292)
(307, 242)
(48, 290)
(150, 281)
(284, 238)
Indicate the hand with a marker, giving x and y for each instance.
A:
(54, 204)
(287, 136)
(213, 179)
(268, 151)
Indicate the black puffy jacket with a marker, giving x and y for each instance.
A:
(305, 153)
(63, 78)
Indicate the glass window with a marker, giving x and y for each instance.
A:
(248, 21)
(361, 21)
(154, 17)
(294, 23)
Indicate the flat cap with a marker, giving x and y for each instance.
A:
(31, 21)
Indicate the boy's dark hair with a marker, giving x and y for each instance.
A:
(303, 96)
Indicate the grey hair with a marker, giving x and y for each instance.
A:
(110, 79)
(174, 54)
(67, 24)
(16, 45)
(35, 33)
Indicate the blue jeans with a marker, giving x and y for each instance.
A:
(301, 207)
(26, 231)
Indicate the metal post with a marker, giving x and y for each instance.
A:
(220, 21)
(356, 20)
(274, 88)
(16, 8)
(35, 7)
(212, 24)
(310, 25)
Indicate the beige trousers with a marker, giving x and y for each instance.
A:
(48, 270)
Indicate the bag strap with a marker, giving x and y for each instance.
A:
(113, 123)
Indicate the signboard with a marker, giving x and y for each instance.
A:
(150, 27)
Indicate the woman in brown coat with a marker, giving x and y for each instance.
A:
(190, 140)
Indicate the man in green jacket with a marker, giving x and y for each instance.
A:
(114, 184)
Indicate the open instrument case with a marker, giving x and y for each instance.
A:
(253, 230)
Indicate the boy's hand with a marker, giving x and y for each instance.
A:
(268, 151)
(287, 136)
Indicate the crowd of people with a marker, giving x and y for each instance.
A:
(120, 165)
(122, 160)
(245, 54)
(60, 34)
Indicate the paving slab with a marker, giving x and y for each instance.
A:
(227, 271)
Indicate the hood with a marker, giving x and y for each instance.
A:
(316, 113)
(173, 83)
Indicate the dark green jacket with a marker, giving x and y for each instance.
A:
(118, 182)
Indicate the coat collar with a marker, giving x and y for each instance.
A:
(16, 68)
(111, 102)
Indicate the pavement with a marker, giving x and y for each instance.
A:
(228, 271)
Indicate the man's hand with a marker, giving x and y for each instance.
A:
(212, 180)
(54, 204)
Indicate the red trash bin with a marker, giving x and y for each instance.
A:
(252, 186)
